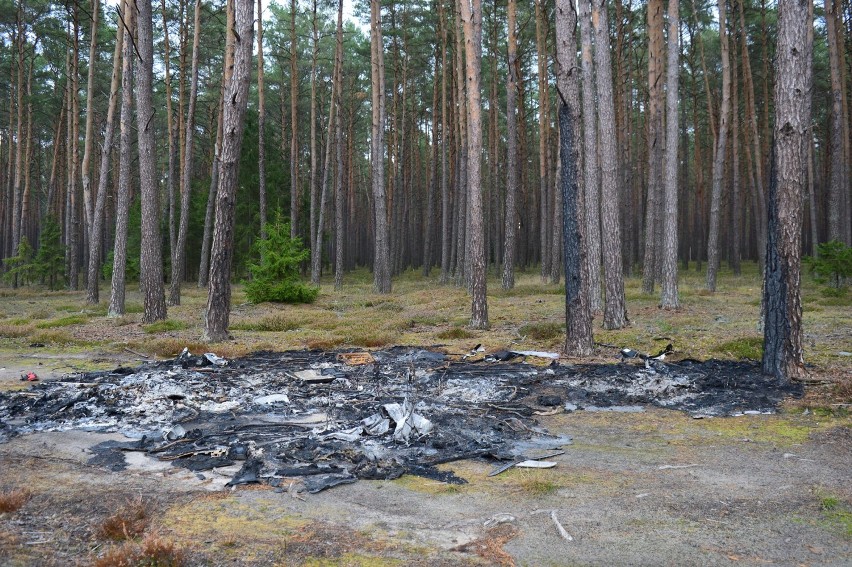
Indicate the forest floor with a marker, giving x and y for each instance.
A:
(650, 488)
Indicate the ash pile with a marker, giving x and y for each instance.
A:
(331, 418)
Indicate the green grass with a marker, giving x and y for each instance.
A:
(837, 514)
(455, 333)
(63, 321)
(542, 331)
(270, 324)
(746, 347)
(165, 326)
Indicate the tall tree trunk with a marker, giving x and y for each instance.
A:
(812, 199)
(591, 169)
(615, 311)
(656, 142)
(751, 119)
(122, 208)
(28, 154)
(719, 156)
(669, 295)
(19, 132)
(85, 169)
(428, 234)
(171, 129)
(381, 258)
(73, 214)
(212, 199)
(96, 234)
(207, 235)
(543, 123)
(186, 170)
(294, 126)
(314, 190)
(736, 211)
(471, 13)
(151, 261)
(837, 183)
(578, 320)
(446, 216)
(511, 228)
(261, 124)
(316, 252)
(339, 189)
(782, 339)
(234, 111)
(462, 201)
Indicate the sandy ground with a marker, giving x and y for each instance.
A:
(651, 488)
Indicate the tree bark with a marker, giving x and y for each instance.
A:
(591, 169)
(511, 227)
(428, 240)
(206, 259)
(656, 142)
(234, 111)
(837, 182)
(543, 124)
(171, 129)
(186, 171)
(615, 311)
(446, 216)
(782, 339)
(261, 124)
(314, 190)
(471, 13)
(381, 259)
(85, 169)
(122, 208)
(735, 245)
(339, 189)
(316, 252)
(294, 126)
(96, 234)
(719, 155)
(578, 320)
(19, 132)
(669, 295)
(751, 118)
(151, 261)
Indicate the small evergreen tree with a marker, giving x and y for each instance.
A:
(832, 265)
(49, 261)
(19, 268)
(275, 277)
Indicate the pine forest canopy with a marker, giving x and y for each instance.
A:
(412, 135)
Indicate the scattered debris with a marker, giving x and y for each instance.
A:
(330, 418)
(356, 358)
(668, 467)
(565, 535)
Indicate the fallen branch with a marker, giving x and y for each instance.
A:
(565, 535)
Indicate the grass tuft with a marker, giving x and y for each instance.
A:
(164, 326)
(455, 333)
(542, 331)
(63, 321)
(745, 347)
(153, 551)
(13, 500)
(128, 522)
(54, 337)
(13, 331)
(270, 324)
(537, 487)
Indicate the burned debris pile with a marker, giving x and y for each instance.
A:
(331, 418)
